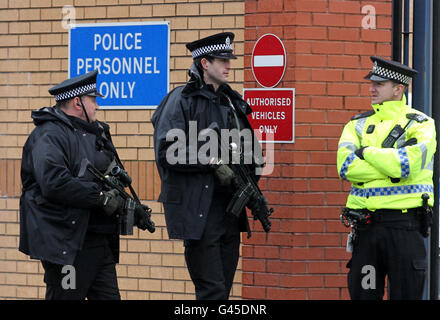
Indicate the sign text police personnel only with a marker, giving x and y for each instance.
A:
(132, 60)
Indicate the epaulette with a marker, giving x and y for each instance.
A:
(363, 115)
(417, 117)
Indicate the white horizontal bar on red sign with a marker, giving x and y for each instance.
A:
(269, 61)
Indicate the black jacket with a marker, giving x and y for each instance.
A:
(187, 188)
(55, 204)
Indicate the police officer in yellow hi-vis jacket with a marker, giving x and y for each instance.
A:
(387, 155)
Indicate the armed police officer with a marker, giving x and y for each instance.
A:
(69, 222)
(195, 193)
(387, 155)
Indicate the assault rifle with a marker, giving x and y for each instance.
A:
(247, 193)
(133, 213)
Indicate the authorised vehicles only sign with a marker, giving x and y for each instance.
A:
(273, 113)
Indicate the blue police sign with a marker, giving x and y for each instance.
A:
(132, 60)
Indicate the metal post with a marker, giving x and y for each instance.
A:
(434, 285)
(422, 100)
(406, 33)
(397, 30)
(422, 56)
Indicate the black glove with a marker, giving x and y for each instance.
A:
(142, 218)
(410, 142)
(360, 153)
(224, 175)
(110, 201)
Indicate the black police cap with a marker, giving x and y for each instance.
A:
(76, 87)
(217, 46)
(384, 70)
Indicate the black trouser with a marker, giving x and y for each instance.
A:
(390, 245)
(213, 259)
(92, 276)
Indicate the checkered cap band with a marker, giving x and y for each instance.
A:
(209, 49)
(390, 74)
(76, 92)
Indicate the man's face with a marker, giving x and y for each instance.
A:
(217, 71)
(91, 107)
(382, 91)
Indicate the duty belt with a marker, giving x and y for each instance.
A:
(351, 217)
(420, 218)
(393, 215)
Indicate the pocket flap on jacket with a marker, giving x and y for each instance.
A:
(419, 264)
(172, 194)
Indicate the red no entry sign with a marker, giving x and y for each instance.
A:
(268, 60)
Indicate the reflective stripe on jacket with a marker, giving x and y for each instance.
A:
(388, 178)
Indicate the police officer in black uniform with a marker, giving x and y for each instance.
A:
(69, 222)
(194, 193)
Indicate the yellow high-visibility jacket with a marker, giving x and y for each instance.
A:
(410, 166)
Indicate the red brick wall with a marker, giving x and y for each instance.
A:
(328, 51)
